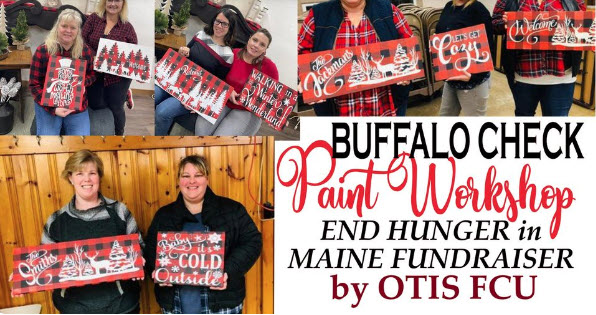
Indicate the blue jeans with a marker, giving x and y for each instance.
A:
(168, 108)
(555, 100)
(76, 124)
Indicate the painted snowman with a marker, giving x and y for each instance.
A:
(61, 88)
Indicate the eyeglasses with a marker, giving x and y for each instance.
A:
(114, 1)
(221, 23)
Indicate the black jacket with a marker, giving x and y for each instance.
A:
(220, 214)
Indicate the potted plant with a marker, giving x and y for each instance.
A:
(8, 90)
(3, 46)
(161, 24)
(180, 18)
(20, 34)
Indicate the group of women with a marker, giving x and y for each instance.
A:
(534, 76)
(70, 38)
(212, 49)
(197, 208)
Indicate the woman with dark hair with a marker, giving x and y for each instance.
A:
(235, 119)
(466, 93)
(539, 76)
(211, 50)
(110, 20)
(198, 209)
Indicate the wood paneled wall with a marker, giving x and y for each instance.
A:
(141, 172)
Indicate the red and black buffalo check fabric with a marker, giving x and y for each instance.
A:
(551, 30)
(187, 258)
(76, 263)
(192, 85)
(268, 99)
(472, 52)
(64, 86)
(343, 71)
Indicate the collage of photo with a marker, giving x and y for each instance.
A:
(137, 137)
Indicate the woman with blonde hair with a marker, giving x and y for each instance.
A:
(465, 93)
(110, 21)
(91, 215)
(64, 40)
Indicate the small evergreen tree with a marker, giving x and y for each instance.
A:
(161, 22)
(3, 43)
(21, 30)
(181, 17)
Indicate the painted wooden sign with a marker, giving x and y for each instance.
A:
(342, 71)
(64, 84)
(551, 30)
(268, 99)
(460, 50)
(124, 60)
(76, 263)
(190, 258)
(194, 87)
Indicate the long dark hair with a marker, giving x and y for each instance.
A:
(242, 51)
(231, 16)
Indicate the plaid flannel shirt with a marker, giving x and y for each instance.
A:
(39, 67)
(534, 63)
(93, 31)
(373, 102)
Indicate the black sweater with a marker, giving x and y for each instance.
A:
(242, 249)
(458, 17)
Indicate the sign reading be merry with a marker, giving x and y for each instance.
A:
(124, 60)
(65, 79)
(190, 258)
(342, 71)
(76, 263)
(268, 99)
(551, 30)
(194, 87)
(461, 50)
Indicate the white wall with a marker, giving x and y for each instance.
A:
(140, 15)
(281, 21)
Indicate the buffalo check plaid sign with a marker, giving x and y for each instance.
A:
(64, 84)
(338, 72)
(76, 263)
(268, 99)
(190, 258)
(551, 30)
(124, 59)
(461, 50)
(194, 87)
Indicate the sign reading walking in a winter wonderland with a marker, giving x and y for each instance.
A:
(76, 263)
(461, 50)
(551, 30)
(124, 60)
(190, 258)
(194, 87)
(64, 83)
(268, 99)
(342, 71)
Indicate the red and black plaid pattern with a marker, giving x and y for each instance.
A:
(335, 72)
(268, 99)
(76, 263)
(93, 31)
(124, 60)
(187, 258)
(557, 30)
(192, 85)
(64, 86)
(472, 52)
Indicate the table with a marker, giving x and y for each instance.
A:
(171, 41)
(18, 60)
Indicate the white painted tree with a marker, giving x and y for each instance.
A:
(592, 38)
(559, 36)
(357, 74)
(2, 19)
(158, 4)
(167, 6)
